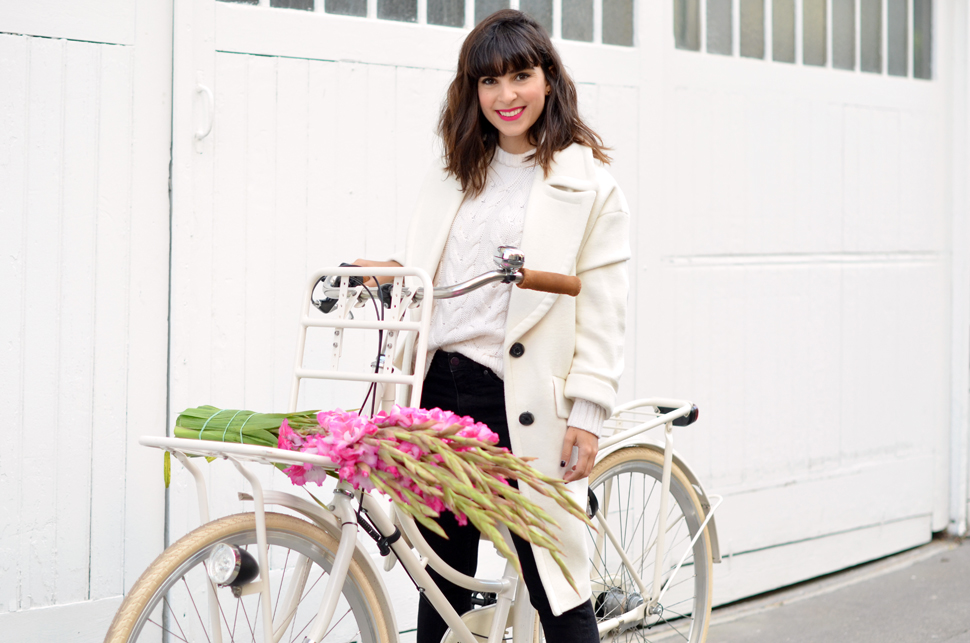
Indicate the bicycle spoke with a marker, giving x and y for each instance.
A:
(176, 603)
(292, 612)
(327, 633)
(671, 605)
(215, 594)
(174, 618)
(252, 630)
(259, 599)
(337, 623)
(235, 622)
(643, 516)
(201, 622)
(671, 626)
(164, 629)
(279, 591)
(681, 582)
(634, 519)
(629, 499)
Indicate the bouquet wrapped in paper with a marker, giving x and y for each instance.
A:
(426, 461)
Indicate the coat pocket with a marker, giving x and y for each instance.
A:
(563, 404)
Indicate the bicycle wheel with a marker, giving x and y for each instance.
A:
(627, 485)
(170, 602)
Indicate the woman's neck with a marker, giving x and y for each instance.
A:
(515, 144)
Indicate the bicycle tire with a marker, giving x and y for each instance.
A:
(686, 608)
(155, 605)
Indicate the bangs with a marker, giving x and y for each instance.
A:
(505, 50)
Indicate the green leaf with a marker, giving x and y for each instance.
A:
(167, 468)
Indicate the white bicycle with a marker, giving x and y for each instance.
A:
(306, 576)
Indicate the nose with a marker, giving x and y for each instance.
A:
(507, 94)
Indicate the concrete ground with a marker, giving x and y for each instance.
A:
(919, 596)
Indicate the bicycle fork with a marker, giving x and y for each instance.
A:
(650, 611)
(344, 511)
(649, 607)
(662, 521)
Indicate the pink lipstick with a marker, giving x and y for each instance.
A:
(515, 112)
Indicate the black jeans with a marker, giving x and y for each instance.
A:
(456, 383)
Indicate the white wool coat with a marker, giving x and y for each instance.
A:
(576, 223)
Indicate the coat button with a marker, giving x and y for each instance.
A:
(517, 350)
(526, 418)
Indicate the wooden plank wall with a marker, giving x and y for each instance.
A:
(67, 153)
(83, 330)
(800, 254)
(302, 178)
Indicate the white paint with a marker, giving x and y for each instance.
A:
(42, 244)
(77, 294)
(148, 281)
(102, 21)
(87, 621)
(84, 332)
(959, 444)
(320, 36)
(741, 576)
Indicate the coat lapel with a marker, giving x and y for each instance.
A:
(555, 220)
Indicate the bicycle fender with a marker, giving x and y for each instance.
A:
(691, 477)
(328, 522)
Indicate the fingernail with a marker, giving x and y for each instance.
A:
(562, 463)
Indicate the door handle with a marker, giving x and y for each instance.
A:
(209, 103)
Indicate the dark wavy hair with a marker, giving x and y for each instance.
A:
(508, 41)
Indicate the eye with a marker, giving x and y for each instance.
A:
(486, 81)
(523, 75)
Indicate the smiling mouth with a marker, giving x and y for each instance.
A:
(510, 114)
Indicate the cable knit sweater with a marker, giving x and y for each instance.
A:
(474, 325)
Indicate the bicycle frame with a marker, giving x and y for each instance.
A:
(343, 517)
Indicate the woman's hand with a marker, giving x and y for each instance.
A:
(367, 263)
(588, 444)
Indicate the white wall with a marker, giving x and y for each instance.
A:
(959, 151)
(84, 210)
(799, 265)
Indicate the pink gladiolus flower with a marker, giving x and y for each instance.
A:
(341, 439)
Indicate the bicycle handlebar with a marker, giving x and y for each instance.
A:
(549, 282)
(538, 280)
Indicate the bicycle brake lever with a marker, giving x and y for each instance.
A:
(326, 304)
(385, 294)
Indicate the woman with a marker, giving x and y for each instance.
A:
(520, 168)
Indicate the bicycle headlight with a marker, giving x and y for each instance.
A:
(230, 565)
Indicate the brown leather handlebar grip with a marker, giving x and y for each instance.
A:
(550, 282)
